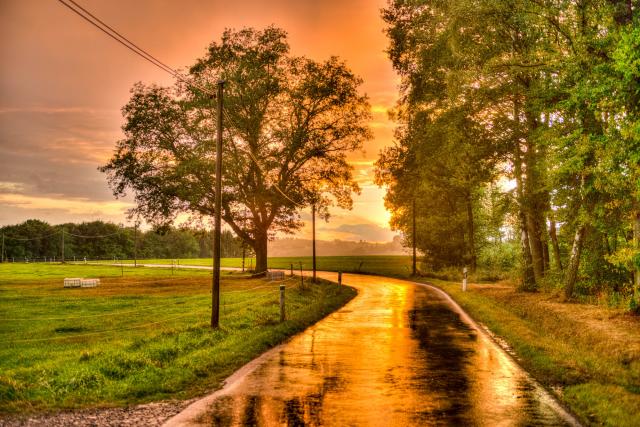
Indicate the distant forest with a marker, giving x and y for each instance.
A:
(36, 240)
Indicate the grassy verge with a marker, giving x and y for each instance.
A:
(137, 338)
(588, 355)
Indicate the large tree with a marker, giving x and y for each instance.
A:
(289, 123)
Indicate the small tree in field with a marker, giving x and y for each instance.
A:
(288, 124)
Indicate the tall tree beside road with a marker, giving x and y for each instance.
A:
(549, 90)
(289, 123)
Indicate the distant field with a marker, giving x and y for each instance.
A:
(141, 337)
(394, 265)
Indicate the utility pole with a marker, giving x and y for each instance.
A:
(244, 253)
(135, 244)
(2, 254)
(215, 288)
(313, 226)
(63, 244)
(413, 236)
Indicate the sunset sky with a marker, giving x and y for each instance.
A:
(62, 84)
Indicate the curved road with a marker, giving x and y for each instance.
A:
(400, 353)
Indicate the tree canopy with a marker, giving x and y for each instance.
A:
(543, 94)
(289, 123)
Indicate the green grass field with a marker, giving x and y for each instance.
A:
(137, 338)
(389, 265)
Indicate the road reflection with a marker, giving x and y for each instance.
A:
(398, 354)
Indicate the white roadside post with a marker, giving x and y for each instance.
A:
(464, 279)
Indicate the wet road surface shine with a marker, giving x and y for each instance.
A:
(397, 354)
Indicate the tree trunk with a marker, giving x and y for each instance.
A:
(545, 252)
(535, 241)
(554, 244)
(574, 262)
(528, 276)
(534, 196)
(636, 245)
(260, 248)
(414, 268)
(471, 248)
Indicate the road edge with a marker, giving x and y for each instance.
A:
(550, 398)
(188, 416)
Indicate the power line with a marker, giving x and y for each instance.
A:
(25, 239)
(259, 166)
(46, 236)
(117, 36)
(253, 158)
(124, 41)
(100, 236)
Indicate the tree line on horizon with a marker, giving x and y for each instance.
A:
(37, 240)
(519, 126)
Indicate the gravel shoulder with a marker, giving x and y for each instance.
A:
(149, 414)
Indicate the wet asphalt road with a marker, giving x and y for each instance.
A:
(398, 354)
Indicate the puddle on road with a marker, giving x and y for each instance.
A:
(396, 355)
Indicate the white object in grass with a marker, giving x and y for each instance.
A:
(90, 283)
(78, 282)
(74, 282)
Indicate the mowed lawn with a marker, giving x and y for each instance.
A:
(139, 337)
(386, 265)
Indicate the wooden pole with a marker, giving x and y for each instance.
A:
(301, 277)
(215, 287)
(243, 255)
(313, 226)
(282, 313)
(135, 245)
(63, 245)
(636, 244)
